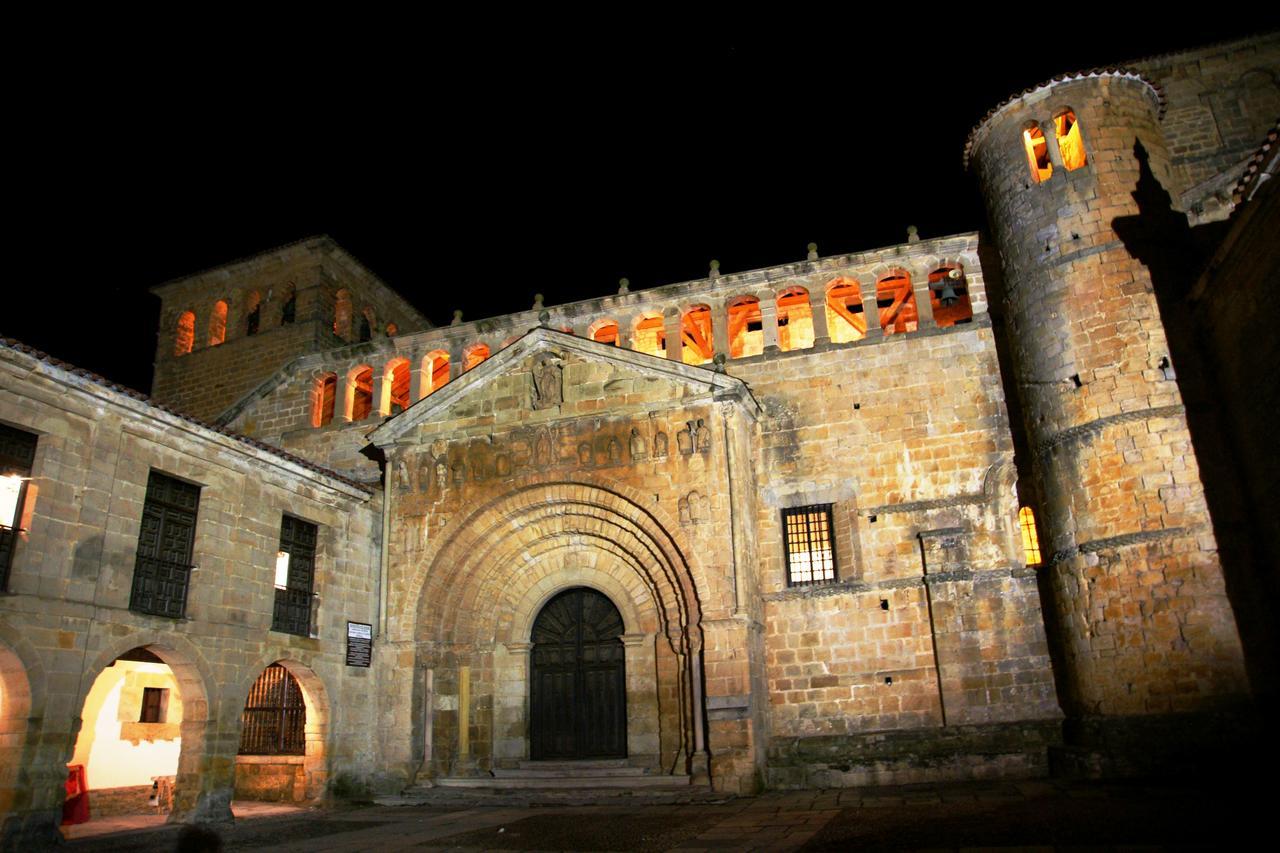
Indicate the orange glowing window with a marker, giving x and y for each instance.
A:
(605, 331)
(342, 314)
(473, 355)
(949, 296)
(695, 334)
(1037, 153)
(218, 323)
(395, 387)
(896, 303)
(1070, 144)
(1030, 538)
(651, 336)
(795, 320)
(746, 327)
(436, 365)
(323, 399)
(186, 334)
(846, 320)
(359, 403)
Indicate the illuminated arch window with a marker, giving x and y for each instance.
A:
(186, 333)
(651, 335)
(1030, 537)
(1037, 152)
(746, 327)
(695, 333)
(1070, 143)
(252, 313)
(359, 395)
(474, 355)
(896, 303)
(435, 368)
(795, 319)
(605, 331)
(342, 314)
(395, 387)
(323, 399)
(949, 296)
(218, 323)
(846, 320)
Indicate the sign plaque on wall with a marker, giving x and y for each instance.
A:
(359, 643)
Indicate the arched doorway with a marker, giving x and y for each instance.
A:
(283, 728)
(578, 680)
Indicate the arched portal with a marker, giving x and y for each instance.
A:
(283, 729)
(578, 703)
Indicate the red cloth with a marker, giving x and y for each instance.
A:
(75, 809)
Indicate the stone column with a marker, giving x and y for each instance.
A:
(870, 310)
(455, 359)
(769, 321)
(671, 325)
(818, 305)
(720, 326)
(419, 378)
(381, 394)
(924, 305)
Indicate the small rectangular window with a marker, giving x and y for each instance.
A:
(17, 454)
(294, 574)
(810, 545)
(162, 569)
(155, 705)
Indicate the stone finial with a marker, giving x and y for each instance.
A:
(537, 302)
(457, 318)
(719, 361)
(913, 234)
(624, 286)
(715, 269)
(813, 251)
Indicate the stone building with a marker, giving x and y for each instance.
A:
(774, 528)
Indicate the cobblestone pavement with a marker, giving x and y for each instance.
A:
(1041, 814)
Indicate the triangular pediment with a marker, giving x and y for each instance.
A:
(548, 374)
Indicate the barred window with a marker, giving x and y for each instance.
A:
(809, 539)
(295, 571)
(275, 717)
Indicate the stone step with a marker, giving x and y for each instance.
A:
(567, 771)
(565, 781)
(421, 795)
(584, 764)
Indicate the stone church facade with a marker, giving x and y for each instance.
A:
(757, 530)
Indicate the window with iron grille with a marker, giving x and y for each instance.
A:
(809, 540)
(17, 454)
(275, 717)
(162, 570)
(295, 572)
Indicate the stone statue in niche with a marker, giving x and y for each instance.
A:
(660, 445)
(548, 382)
(615, 451)
(459, 473)
(637, 445)
(502, 466)
(542, 451)
(684, 439)
(685, 516)
(703, 436)
(698, 510)
(402, 476)
(584, 454)
(442, 472)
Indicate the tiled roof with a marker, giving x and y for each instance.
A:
(102, 381)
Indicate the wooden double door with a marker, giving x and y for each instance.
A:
(579, 699)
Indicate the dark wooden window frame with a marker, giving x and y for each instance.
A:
(292, 611)
(809, 531)
(166, 540)
(155, 705)
(17, 456)
(274, 721)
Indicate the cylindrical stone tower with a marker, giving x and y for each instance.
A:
(1069, 171)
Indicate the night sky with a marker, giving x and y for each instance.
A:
(474, 162)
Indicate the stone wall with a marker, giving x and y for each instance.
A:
(67, 615)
